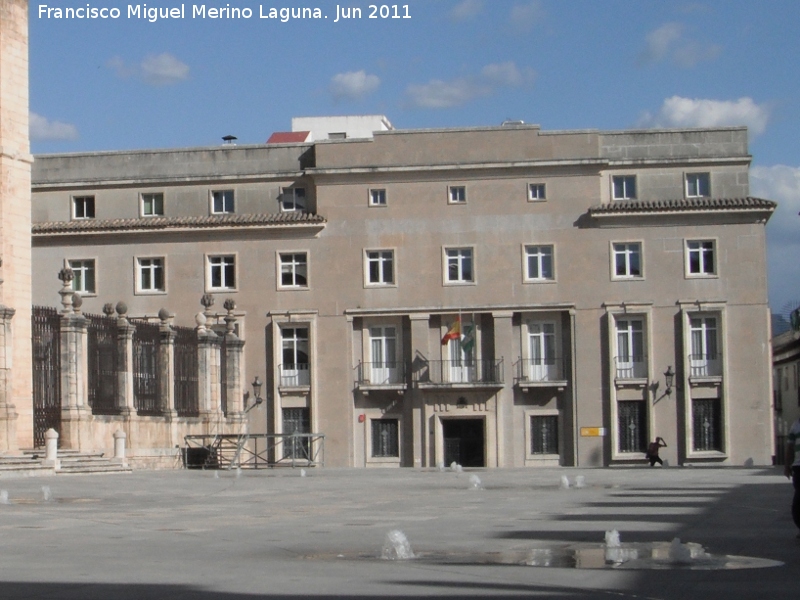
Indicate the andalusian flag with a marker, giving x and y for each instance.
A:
(454, 333)
(468, 339)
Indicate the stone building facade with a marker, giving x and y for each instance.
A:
(498, 297)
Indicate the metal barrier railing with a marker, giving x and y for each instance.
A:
(254, 450)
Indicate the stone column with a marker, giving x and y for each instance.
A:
(234, 391)
(16, 418)
(504, 411)
(8, 413)
(125, 398)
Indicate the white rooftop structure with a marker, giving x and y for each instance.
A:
(343, 127)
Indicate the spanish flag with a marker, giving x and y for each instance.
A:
(454, 333)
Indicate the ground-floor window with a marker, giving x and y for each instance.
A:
(632, 425)
(544, 434)
(296, 420)
(707, 424)
(385, 438)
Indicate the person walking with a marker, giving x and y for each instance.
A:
(652, 451)
(791, 468)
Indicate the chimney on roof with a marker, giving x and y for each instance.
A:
(229, 140)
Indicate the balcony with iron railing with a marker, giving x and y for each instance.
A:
(381, 375)
(630, 370)
(705, 366)
(540, 372)
(459, 373)
(294, 375)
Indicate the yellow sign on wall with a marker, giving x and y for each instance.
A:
(593, 431)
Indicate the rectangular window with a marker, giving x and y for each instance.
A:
(624, 187)
(222, 202)
(222, 272)
(152, 205)
(293, 199)
(705, 359)
(384, 366)
(700, 257)
(294, 270)
(457, 194)
(543, 363)
(544, 434)
(627, 260)
(83, 207)
(539, 263)
(295, 367)
(380, 267)
(698, 185)
(459, 265)
(385, 438)
(630, 360)
(83, 276)
(706, 424)
(536, 191)
(377, 197)
(632, 426)
(151, 274)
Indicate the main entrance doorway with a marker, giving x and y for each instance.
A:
(464, 442)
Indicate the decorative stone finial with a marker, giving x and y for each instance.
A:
(229, 304)
(230, 319)
(108, 309)
(207, 301)
(121, 308)
(66, 275)
(164, 315)
(200, 319)
(77, 302)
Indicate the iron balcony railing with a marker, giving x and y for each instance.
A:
(294, 375)
(381, 373)
(630, 367)
(540, 370)
(450, 372)
(705, 365)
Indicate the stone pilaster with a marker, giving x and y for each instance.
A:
(15, 221)
(234, 356)
(420, 345)
(504, 348)
(8, 413)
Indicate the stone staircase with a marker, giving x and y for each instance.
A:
(72, 462)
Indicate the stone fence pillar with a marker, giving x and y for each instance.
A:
(75, 411)
(166, 365)
(125, 329)
(208, 367)
(234, 391)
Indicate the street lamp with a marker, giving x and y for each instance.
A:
(257, 399)
(669, 378)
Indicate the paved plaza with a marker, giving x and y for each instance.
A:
(275, 534)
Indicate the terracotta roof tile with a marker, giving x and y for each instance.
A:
(287, 219)
(288, 137)
(683, 205)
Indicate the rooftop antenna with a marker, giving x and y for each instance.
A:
(229, 140)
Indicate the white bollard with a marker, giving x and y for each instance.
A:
(51, 448)
(119, 446)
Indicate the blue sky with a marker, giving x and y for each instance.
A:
(109, 84)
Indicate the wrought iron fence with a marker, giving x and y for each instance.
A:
(46, 347)
(448, 372)
(146, 339)
(186, 392)
(103, 355)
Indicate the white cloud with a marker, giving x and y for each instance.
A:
(42, 128)
(668, 42)
(687, 112)
(782, 184)
(154, 69)
(353, 85)
(456, 92)
(466, 9)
